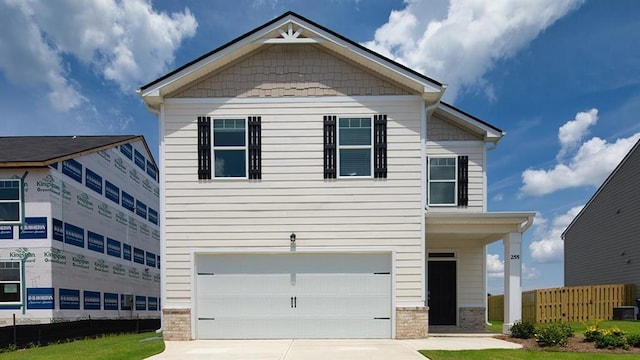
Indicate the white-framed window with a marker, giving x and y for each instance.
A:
(10, 282)
(354, 146)
(443, 182)
(10, 201)
(230, 148)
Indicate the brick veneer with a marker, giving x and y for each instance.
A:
(472, 317)
(412, 322)
(176, 324)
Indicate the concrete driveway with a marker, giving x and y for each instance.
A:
(302, 349)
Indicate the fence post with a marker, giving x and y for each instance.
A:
(15, 332)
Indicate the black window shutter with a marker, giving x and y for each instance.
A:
(380, 146)
(463, 180)
(255, 147)
(204, 147)
(330, 147)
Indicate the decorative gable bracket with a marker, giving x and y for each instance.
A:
(290, 33)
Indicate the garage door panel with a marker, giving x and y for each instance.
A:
(296, 297)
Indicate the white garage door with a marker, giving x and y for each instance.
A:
(293, 296)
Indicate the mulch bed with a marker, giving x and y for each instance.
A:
(575, 344)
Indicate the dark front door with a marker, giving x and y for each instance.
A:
(442, 293)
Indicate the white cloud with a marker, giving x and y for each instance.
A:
(458, 42)
(572, 132)
(495, 266)
(495, 269)
(590, 165)
(126, 42)
(549, 246)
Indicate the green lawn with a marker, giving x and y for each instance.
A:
(110, 347)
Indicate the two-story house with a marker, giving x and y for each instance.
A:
(311, 187)
(79, 229)
(601, 243)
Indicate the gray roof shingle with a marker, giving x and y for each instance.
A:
(41, 150)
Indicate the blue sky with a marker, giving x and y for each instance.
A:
(560, 77)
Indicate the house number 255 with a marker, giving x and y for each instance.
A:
(515, 257)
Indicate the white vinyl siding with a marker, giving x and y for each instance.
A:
(476, 177)
(293, 196)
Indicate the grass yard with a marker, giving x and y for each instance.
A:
(109, 347)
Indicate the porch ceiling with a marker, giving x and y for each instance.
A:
(478, 228)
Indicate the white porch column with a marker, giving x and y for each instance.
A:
(512, 280)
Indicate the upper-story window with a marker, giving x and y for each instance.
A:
(354, 146)
(230, 148)
(10, 201)
(448, 181)
(442, 181)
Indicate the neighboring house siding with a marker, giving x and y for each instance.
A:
(290, 70)
(293, 196)
(475, 150)
(602, 246)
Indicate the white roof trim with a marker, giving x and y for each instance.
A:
(490, 134)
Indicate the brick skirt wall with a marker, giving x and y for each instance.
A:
(176, 324)
(472, 317)
(412, 322)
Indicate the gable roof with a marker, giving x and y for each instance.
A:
(635, 151)
(23, 151)
(289, 28)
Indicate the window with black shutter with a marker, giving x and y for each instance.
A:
(330, 147)
(204, 147)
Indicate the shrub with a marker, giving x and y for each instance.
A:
(523, 330)
(553, 334)
(593, 331)
(566, 329)
(633, 340)
(611, 339)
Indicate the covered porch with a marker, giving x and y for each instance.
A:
(456, 265)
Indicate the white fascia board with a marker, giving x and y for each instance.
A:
(490, 133)
(295, 100)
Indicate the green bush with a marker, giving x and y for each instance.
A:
(611, 339)
(552, 334)
(633, 340)
(523, 330)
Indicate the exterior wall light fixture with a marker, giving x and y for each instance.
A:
(292, 238)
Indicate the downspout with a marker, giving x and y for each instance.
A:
(161, 207)
(426, 112)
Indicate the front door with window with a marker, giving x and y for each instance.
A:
(442, 292)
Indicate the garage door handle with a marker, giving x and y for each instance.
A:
(292, 302)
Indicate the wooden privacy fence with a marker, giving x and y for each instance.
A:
(575, 303)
